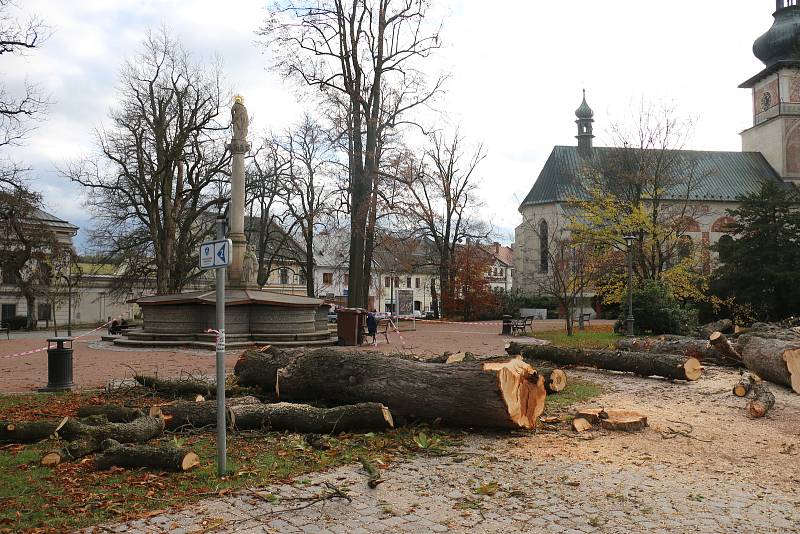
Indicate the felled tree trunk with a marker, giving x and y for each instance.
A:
(27, 431)
(365, 416)
(165, 457)
(112, 412)
(177, 387)
(643, 364)
(87, 435)
(745, 385)
(720, 342)
(725, 326)
(763, 400)
(555, 380)
(195, 414)
(506, 394)
(255, 368)
(776, 360)
(625, 420)
(685, 346)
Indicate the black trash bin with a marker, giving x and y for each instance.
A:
(506, 326)
(59, 364)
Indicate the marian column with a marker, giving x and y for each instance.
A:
(238, 147)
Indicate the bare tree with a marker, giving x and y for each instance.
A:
(441, 200)
(150, 189)
(357, 48)
(309, 190)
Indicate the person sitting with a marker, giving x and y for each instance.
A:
(115, 329)
(372, 326)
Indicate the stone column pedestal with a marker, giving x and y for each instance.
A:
(238, 148)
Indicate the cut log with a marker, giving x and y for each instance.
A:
(195, 414)
(112, 412)
(71, 451)
(685, 346)
(623, 420)
(27, 431)
(725, 347)
(643, 364)
(724, 326)
(763, 400)
(137, 431)
(579, 424)
(745, 384)
(503, 394)
(165, 457)
(283, 416)
(178, 387)
(255, 368)
(776, 360)
(555, 380)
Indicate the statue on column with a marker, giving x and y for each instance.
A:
(239, 119)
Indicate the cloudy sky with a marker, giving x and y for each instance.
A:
(517, 69)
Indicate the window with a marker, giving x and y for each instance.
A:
(502, 272)
(284, 276)
(725, 248)
(408, 282)
(544, 247)
(347, 279)
(9, 277)
(387, 282)
(327, 278)
(8, 312)
(396, 281)
(418, 283)
(43, 311)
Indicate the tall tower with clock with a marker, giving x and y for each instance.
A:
(776, 94)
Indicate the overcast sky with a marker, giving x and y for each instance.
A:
(517, 69)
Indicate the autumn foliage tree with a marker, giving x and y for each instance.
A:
(471, 297)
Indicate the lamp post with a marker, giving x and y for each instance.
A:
(629, 239)
(68, 279)
(391, 290)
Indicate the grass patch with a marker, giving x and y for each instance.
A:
(596, 337)
(576, 392)
(74, 495)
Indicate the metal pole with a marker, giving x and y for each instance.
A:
(69, 306)
(629, 321)
(222, 452)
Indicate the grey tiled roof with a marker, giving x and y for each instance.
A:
(725, 176)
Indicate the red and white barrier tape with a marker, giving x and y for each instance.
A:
(478, 323)
(219, 341)
(42, 349)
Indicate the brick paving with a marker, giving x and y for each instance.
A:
(701, 466)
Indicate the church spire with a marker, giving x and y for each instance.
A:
(585, 119)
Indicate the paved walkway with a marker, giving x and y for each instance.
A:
(701, 466)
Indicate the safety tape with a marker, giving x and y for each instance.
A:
(492, 323)
(42, 349)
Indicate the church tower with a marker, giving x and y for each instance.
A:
(776, 94)
(585, 119)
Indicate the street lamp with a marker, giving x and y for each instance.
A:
(629, 239)
(391, 290)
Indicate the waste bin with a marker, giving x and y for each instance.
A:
(349, 324)
(59, 364)
(506, 326)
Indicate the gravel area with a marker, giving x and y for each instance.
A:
(701, 466)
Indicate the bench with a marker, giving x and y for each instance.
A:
(7, 328)
(383, 330)
(586, 318)
(521, 325)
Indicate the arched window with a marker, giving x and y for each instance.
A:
(725, 248)
(544, 247)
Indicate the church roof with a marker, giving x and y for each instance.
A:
(722, 176)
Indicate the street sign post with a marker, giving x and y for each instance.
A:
(217, 255)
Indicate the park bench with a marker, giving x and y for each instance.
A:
(6, 327)
(520, 326)
(586, 318)
(383, 330)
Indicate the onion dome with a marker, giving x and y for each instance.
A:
(782, 41)
(584, 112)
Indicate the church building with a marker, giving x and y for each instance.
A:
(770, 153)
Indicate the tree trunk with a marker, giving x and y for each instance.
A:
(494, 394)
(642, 364)
(555, 380)
(776, 360)
(686, 346)
(27, 431)
(624, 420)
(166, 457)
(195, 414)
(745, 385)
(763, 400)
(178, 387)
(254, 368)
(722, 345)
(283, 416)
(113, 413)
(725, 326)
(311, 291)
(30, 303)
(434, 300)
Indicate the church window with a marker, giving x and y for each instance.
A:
(544, 247)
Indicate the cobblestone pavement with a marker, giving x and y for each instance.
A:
(701, 466)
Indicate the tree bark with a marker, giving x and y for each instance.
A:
(643, 364)
(178, 387)
(763, 400)
(98, 428)
(506, 394)
(27, 431)
(555, 380)
(624, 420)
(725, 326)
(114, 413)
(745, 385)
(166, 457)
(254, 368)
(720, 342)
(776, 360)
(283, 416)
(195, 414)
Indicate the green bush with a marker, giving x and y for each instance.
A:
(656, 312)
(510, 302)
(18, 322)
